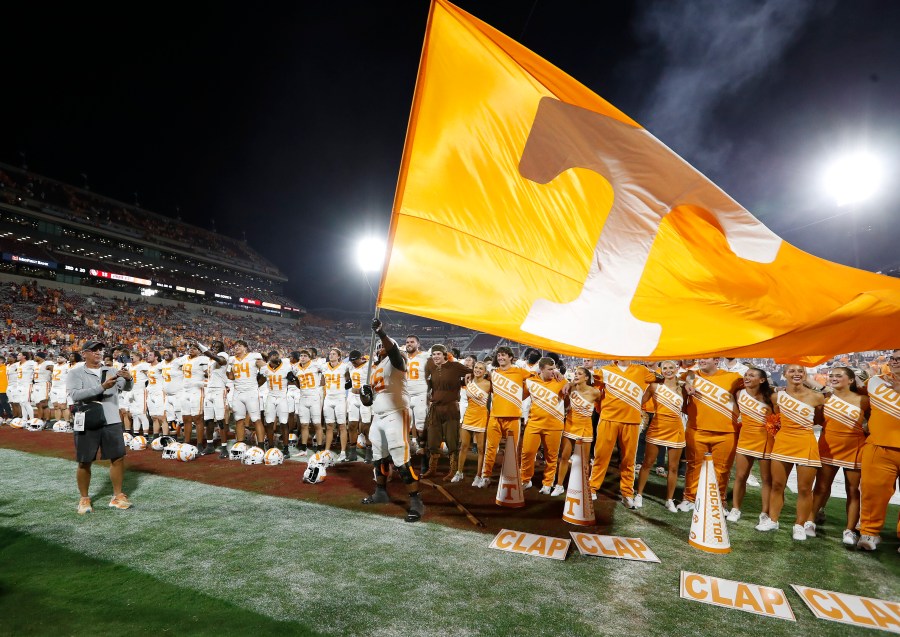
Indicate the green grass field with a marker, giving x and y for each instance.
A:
(192, 558)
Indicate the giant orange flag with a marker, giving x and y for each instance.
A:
(530, 208)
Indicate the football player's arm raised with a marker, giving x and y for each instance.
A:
(390, 347)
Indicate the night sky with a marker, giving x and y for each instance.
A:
(288, 122)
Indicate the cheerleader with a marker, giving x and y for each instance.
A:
(841, 444)
(754, 404)
(474, 424)
(795, 444)
(666, 430)
(578, 428)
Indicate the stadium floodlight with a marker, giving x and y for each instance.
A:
(370, 254)
(853, 178)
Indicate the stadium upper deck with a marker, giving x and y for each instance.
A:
(54, 230)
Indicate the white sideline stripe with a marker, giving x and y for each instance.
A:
(242, 547)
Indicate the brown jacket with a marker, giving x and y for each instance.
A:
(445, 381)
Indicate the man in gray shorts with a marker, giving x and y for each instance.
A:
(95, 382)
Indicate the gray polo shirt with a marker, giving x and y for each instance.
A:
(84, 384)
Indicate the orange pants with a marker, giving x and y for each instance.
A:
(499, 427)
(722, 445)
(880, 470)
(608, 435)
(533, 437)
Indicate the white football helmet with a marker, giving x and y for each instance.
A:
(237, 451)
(360, 442)
(35, 424)
(16, 423)
(328, 458)
(128, 438)
(314, 473)
(171, 452)
(293, 440)
(160, 443)
(254, 455)
(273, 456)
(186, 452)
(63, 427)
(138, 443)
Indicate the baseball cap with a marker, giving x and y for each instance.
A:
(92, 346)
(354, 355)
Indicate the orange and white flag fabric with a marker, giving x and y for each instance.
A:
(530, 208)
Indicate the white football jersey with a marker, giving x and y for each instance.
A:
(43, 372)
(358, 375)
(60, 371)
(245, 370)
(276, 378)
(310, 377)
(14, 374)
(218, 374)
(389, 385)
(139, 374)
(194, 370)
(172, 375)
(415, 373)
(155, 378)
(335, 378)
(26, 373)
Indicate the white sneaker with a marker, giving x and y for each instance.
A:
(810, 529)
(849, 538)
(628, 502)
(685, 505)
(545, 490)
(476, 482)
(670, 506)
(342, 457)
(638, 501)
(457, 477)
(558, 490)
(868, 542)
(734, 515)
(526, 486)
(799, 533)
(763, 516)
(485, 482)
(752, 481)
(662, 471)
(769, 525)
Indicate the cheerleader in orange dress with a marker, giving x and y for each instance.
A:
(754, 404)
(841, 444)
(666, 430)
(474, 424)
(795, 444)
(577, 428)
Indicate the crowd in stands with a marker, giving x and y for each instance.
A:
(31, 315)
(67, 202)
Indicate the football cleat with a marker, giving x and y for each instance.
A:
(273, 457)
(416, 509)
(254, 455)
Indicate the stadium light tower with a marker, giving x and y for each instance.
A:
(853, 178)
(370, 254)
